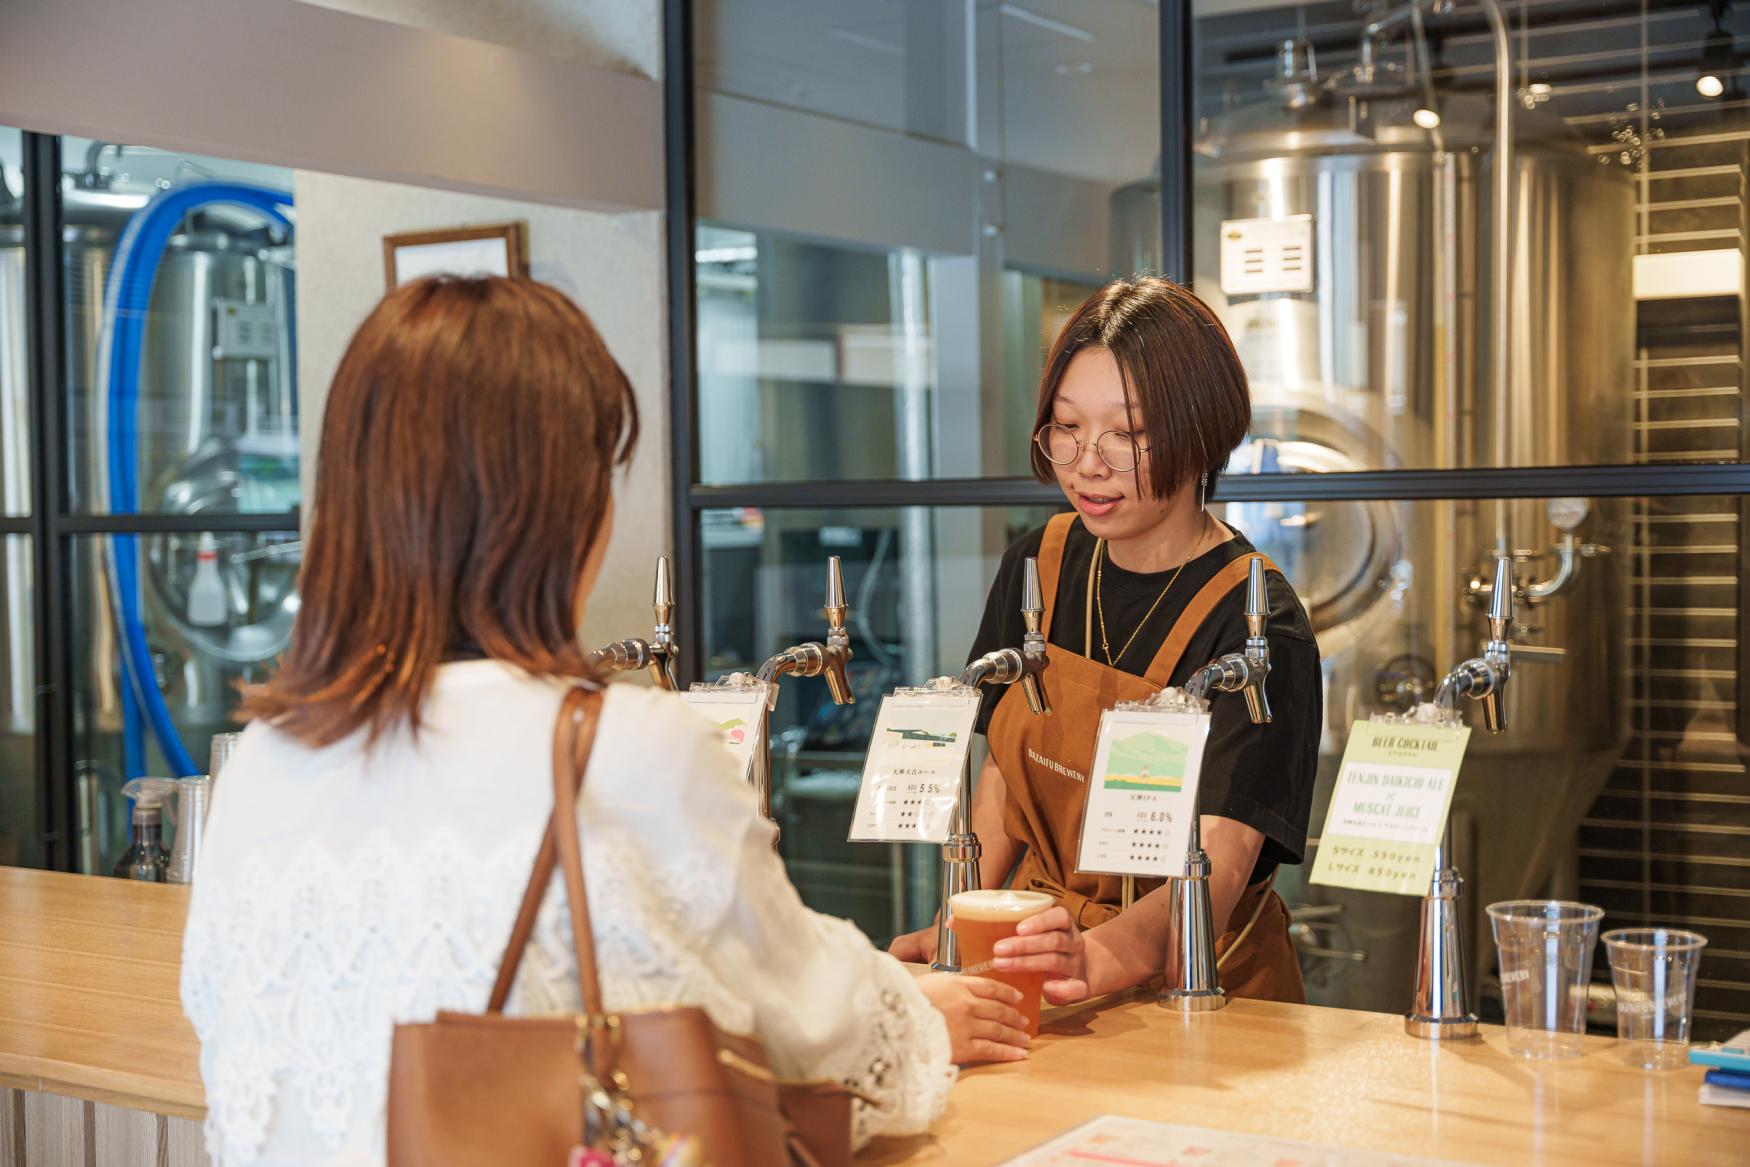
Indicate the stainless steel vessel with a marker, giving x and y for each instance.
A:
(1347, 251)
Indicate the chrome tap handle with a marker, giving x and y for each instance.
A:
(663, 649)
(1033, 650)
(1257, 600)
(1501, 601)
(838, 638)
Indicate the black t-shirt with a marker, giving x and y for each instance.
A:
(1260, 775)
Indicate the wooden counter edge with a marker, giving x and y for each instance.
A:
(84, 1083)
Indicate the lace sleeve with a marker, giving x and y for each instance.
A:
(827, 1004)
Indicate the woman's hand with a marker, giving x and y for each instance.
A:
(915, 947)
(1049, 943)
(983, 1023)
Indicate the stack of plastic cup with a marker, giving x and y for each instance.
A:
(1654, 973)
(1546, 950)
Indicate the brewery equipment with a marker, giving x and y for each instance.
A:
(656, 654)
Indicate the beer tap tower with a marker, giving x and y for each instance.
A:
(656, 654)
(1005, 666)
(812, 659)
(1440, 1008)
(1197, 988)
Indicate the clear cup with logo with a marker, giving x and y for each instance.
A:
(1654, 972)
(1545, 949)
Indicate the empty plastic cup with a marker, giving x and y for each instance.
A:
(1546, 949)
(1654, 973)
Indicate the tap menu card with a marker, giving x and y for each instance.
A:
(911, 776)
(1142, 792)
(1388, 810)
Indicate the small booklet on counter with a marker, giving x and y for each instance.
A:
(1727, 1082)
(1138, 1143)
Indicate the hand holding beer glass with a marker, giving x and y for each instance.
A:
(980, 919)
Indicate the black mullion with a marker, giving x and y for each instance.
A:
(1386, 485)
(45, 281)
(17, 526)
(683, 362)
(1178, 108)
(153, 524)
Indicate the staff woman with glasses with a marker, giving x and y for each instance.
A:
(1142, 400)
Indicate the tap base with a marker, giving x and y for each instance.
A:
(1441, 1028)
(1191, 1000)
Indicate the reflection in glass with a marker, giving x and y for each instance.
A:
(181, 332)
(21, 805)
(14, 344)
(916, 579)
(206, 611)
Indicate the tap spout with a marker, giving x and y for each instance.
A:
(1484, 678)
(622, 656)
(1243, 672)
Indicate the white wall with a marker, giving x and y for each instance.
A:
(612, 265)
(624, 35)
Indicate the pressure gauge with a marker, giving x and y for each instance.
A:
(1568, 513)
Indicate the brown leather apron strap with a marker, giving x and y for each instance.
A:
(1087, 913)
(1259, 891)
(1051, 560)
(1160, 673)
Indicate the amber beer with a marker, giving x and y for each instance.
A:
(979, 920)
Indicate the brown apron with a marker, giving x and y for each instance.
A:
(1045, 761)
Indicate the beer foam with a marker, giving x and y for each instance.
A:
(998, 905)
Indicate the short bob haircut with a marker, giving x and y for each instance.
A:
(1183, 381)
(467, 446)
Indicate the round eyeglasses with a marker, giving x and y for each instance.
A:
(1118, 450)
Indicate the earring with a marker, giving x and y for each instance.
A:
(1203, 492)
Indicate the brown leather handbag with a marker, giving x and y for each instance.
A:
(654, 1088)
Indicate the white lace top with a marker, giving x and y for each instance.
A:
(340, 892)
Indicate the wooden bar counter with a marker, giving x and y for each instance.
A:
(97, 1065)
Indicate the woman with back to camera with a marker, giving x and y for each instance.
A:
(368, 844)
(1142, 401)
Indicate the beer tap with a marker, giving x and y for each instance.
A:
(1440, 1008)
(1197, 986)
(1005, 666)
(812, 659)
(656, 654)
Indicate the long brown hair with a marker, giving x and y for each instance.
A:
(1182, 378)
(467, 445)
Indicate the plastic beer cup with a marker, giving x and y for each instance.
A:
(979, 920)
(1546, 963)
(1654, 973)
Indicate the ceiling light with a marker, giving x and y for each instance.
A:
(1717, 58)
(1427, 117)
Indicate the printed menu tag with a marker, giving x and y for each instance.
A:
(737, 712)
(1142, 792)
(912, 775)
(1137, 1142)
(1389, 807)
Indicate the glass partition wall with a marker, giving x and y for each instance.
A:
(938, 185)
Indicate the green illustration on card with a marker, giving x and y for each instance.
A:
(1147, 761)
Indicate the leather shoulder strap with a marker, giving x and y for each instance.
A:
(1051, 560)
(1160, 672)
(573, 739)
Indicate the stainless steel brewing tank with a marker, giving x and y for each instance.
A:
(1348, 254)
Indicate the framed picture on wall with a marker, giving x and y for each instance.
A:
(489, 249)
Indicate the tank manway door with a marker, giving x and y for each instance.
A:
(1267, 255)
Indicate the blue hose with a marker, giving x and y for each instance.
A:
(133, 272)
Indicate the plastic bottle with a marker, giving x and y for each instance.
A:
(206, 592)
(146, 858)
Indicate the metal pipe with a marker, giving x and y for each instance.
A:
(1503, 255)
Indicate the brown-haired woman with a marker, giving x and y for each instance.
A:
(369, 839)
(1142, 400)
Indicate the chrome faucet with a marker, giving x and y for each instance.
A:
(1440, 1006)
(1243, 672)
(1197, 986)
(656, 654)
(812, 659)
(1005, 666)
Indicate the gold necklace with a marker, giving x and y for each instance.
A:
(1100, 595)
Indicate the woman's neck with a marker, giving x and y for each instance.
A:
(1181, 534)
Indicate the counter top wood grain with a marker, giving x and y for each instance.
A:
(89, 1008)
(89, 1003)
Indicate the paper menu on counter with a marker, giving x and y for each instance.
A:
(738, 712)
(1389, 806)
(1132, 1142)
(1142, 792)
(911, 776)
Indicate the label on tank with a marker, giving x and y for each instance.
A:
(1267, 255)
